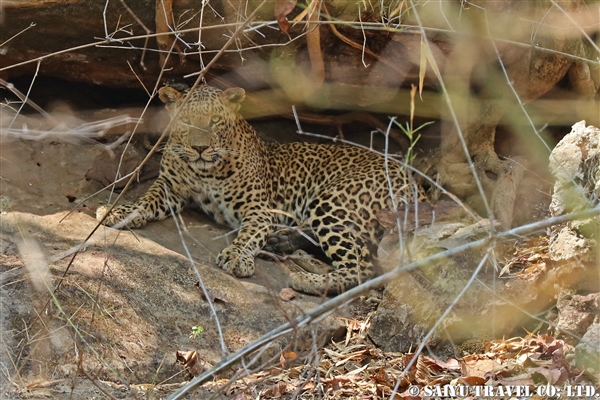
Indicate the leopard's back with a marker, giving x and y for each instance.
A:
(356, 182)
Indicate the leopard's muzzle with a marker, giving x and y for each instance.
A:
(200, 149)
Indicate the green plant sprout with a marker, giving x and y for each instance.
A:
(412, 137)
(196, 332)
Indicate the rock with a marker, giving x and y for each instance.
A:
(137, 299)
(413, 303)
(587, 352)
(574, 163)
(575, 315)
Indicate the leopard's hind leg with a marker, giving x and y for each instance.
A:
(340, 238)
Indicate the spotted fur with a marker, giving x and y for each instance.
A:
(215, 159)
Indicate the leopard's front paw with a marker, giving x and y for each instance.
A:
(126, 213)
(238, 261)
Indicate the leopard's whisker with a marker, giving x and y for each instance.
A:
(225, 151)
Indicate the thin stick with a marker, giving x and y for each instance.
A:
(366, 25)
(211, 304)
(313, 43)
(17, 34)
(26, 99)
(148, 32)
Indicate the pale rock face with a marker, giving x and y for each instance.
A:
(574, 162)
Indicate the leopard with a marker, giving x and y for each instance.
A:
(215, 160)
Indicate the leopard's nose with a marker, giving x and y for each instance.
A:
(200, 149)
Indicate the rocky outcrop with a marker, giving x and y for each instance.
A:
(563, 266)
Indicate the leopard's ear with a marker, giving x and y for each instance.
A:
(169, 95)
(234, 96)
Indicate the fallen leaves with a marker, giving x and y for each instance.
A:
(475, 366)
(354, 367)
(278, 390)
(529, 259)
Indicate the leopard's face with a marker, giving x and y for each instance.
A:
(199, 134)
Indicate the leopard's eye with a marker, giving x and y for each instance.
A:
(185, 120)
(215, 119)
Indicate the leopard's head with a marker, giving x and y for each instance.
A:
(203, 123)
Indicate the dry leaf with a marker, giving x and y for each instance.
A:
(277, 390)
(450, 364)
(407, 358)
(381, 377)
(282, 9)
(191, 361)
(468, 381)
(550, 376)
(424, 373)
(549, 345)
(287, 294)
(517, 380)
(475, 367)
(336, 382)
(406, 396)
(310, 385)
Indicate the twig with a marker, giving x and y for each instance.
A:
(313, 43)
(148, 31)
(26, 99)
(363, 48)
(200, 280)
(232, 39)
(91, 379)
(164, 23)
(17, 34)
(138, 78)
